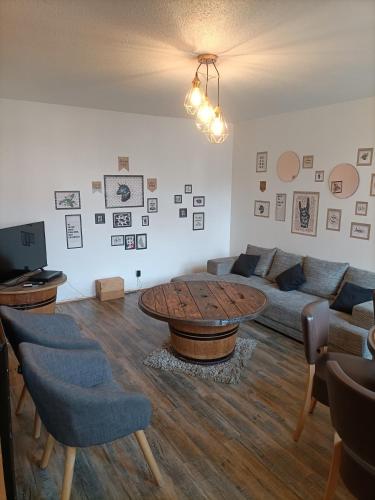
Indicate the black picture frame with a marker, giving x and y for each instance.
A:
(67, 217)
(195, 214)
(99, 218)
(182, 213)
(188, 188)
(178, 198)
(120, 237)
(128, 238)
(197, 203)
(116, 216)
(137, 238)
(67, 200)
(150, 202)
(145, 220)
(124, 179)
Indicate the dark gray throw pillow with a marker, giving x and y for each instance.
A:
(245, 265)
(291, 279)
(350, 296)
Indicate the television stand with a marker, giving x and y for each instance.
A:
(34, 298)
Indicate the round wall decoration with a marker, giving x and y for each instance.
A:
(288, 166)
(343, 180)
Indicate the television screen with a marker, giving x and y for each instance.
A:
(22, 249)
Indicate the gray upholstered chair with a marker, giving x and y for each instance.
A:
(315, 327)
(49, 330)
(352, 408)
(81, 405)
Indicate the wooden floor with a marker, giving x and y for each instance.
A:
(212, 441)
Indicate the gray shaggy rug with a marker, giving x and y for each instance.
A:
(228, 372)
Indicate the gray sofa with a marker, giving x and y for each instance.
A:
(324, 279)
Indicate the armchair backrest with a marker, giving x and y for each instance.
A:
(371, 342)
(315, 328)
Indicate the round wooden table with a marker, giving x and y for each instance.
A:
(203, 316)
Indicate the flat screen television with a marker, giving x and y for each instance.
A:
(22, 250)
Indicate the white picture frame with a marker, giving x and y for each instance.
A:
(262, 208)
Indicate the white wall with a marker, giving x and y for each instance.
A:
(45, 147)
(332, 134)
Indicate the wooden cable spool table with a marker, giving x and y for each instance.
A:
(203, 316)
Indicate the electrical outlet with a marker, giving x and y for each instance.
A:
(138, 273)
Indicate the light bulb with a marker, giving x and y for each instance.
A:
(218, 129)
(205, 114)
(194, 97)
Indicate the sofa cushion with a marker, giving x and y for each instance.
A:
(220, 266)
(265, 261)
(291, 279)
(360, 277)
(245, 265)
(323, 277)
(281, 262)
(350, 296)
(363, 315)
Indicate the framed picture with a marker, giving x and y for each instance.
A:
(188, 188)
(280, 207)
(99, 218)
(333, 219)
(361, 208)
(96, 186)
(145, 220)
(178, 198)
(262, 186)
(123, 191)
(122, 219)
(372, 186)
(305, 213)
(152, 184)
(262, 208)
(73, 228)
(364, 157)
(308, 161)
(129, 241)
(261, 164)
(360, 231)
(141, 241)
(117, 240)
(182, 212)
(199, 201)
(319, 176)
(152, 205)
(67, 200)
(198, 221)
(336, 187)
(123, 163)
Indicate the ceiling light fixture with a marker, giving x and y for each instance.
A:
(208, 119)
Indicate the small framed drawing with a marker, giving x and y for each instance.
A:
(117, 240)
(122, 191)
(336, 187)
(198, 221)
(188, 188)
(333, 219)
(361, 208)
(73, 228)
(305, 213)
(99, 218)
(145, 220)
(262, 208)
(152, 205)
(182, 212)
(129, 241)
(67, 200)
(360, 231)
(372, 185)
(199, 201)
(280, 207)
(122, 219)
(319, 176)
(364, 157)
(308, 161)
(261, 165)
(141, 241)
(178, 198)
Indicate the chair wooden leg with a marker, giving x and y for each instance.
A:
(21, 400)
(307, 403)
(334, 469)
(70, 458)
(312, 406)
(146, 450)
(47, 452)
(37, 425)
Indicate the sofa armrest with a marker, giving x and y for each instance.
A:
(363, 315)
(220, 266)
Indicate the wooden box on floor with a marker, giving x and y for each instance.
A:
(109, 288)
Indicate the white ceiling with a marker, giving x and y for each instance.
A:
(138, 55)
